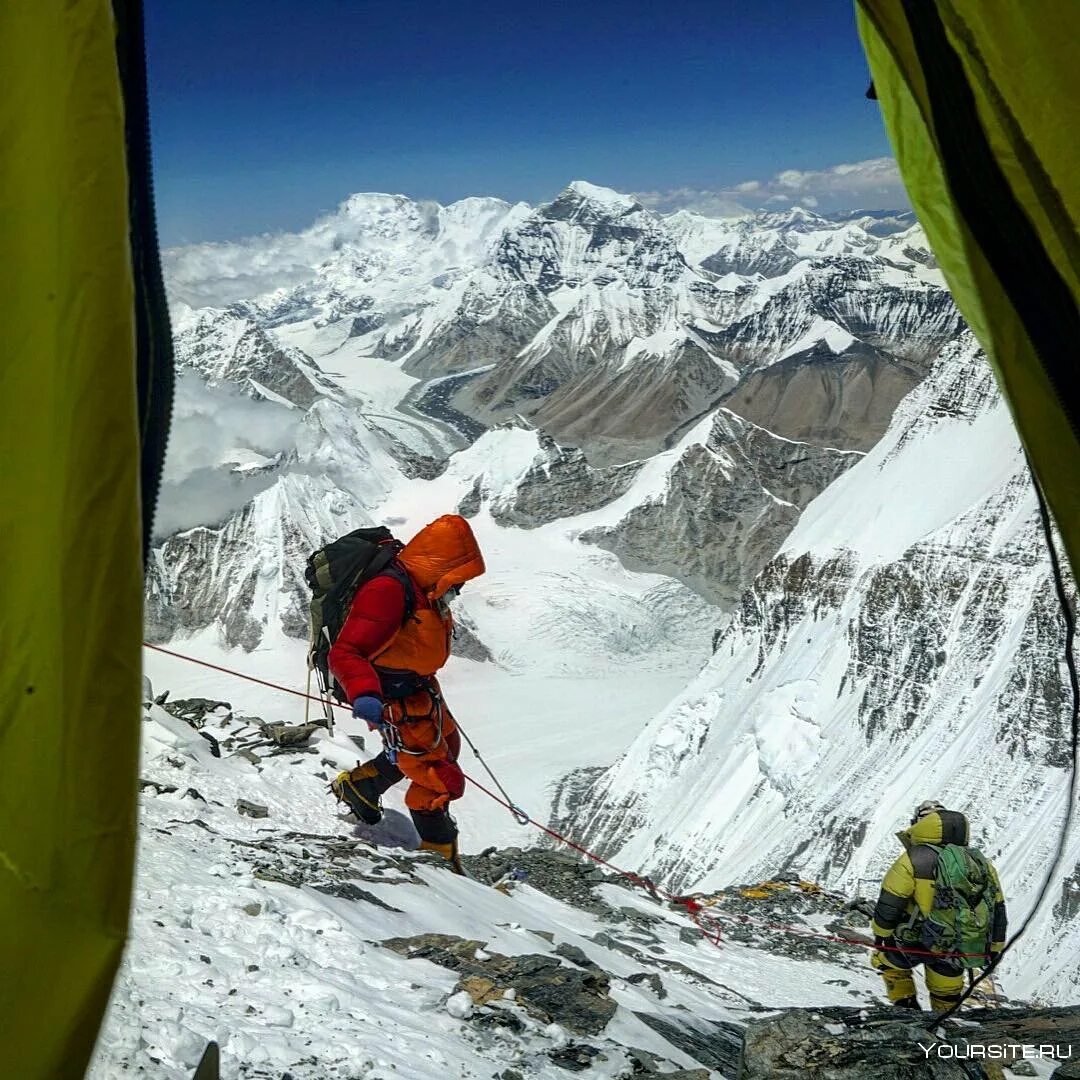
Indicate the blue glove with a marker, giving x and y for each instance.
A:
(368, 708)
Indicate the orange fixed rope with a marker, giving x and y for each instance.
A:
(708, 922)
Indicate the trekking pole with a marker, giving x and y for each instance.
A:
(520, 816)
(307, 696)
(324, 697)
(328, 709)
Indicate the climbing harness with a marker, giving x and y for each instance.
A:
(390, 728)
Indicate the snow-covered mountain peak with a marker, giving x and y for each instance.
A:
(480, 212)
(365, 207)
(795, 217)
(590, 206)
(590, 233)
(600, 196)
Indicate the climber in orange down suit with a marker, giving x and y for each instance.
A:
(396, 637)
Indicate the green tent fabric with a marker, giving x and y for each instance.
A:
(982, 104)
(76, 394)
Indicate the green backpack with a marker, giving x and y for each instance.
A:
(960, 919)
(335, 573)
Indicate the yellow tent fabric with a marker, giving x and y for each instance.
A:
(70, 532)
(982, 105)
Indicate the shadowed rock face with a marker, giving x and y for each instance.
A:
(622, 415)
(560, 484)
(467, 642)
(728, 507)
(484, 329)
(853, 1044)
(845, 401)
(225, 347)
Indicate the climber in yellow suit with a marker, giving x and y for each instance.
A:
(941, 895)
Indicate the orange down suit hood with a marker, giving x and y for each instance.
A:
(442, 555)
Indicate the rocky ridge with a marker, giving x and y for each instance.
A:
(301, 948)
(919, 641)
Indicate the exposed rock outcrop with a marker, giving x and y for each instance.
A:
(561, 483)
(728, 505)
(550, 990)
(856, 1044)
(820, 397)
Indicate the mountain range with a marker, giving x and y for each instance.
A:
(765, 566)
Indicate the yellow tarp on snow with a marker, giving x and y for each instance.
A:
(70, 563)
(981, 101)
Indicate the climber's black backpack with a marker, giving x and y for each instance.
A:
(334, 573)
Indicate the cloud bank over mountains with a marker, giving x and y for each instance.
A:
(872, 184)
(229, 271)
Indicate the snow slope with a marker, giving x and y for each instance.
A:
(904, 644)
(264, 934)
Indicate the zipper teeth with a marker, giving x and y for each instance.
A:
(153, 330)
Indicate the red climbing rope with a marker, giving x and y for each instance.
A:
(695, 909)
(707, 921)
(235, 674)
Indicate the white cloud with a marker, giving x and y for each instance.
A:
(218, 274)
(720, 203)
(873, 184)
(210, 428)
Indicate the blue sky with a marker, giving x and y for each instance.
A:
(267, 114)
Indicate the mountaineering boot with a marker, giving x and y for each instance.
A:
(908, 1003)
(360, 789)
(448, 851)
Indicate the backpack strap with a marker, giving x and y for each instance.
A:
(924, 859)
(398, 573)
(395, 570)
